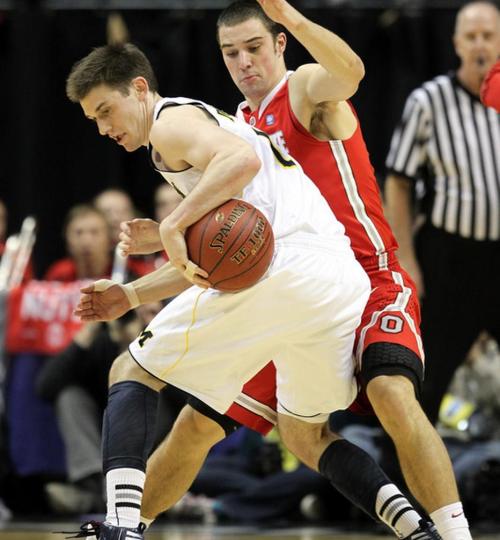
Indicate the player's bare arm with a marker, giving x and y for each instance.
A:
(106, 300)
(185, 136)
(340, 69)
(334, 79)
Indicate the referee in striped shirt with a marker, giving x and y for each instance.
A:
(450, 141)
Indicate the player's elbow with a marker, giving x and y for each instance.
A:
(252, 162)
(357, 73)
(248, 164)
(353, 76)
(358, 69)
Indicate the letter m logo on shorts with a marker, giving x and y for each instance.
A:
(144, 336)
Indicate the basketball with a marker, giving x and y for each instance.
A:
(234, 243)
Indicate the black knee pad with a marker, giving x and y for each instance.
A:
(225, 422)
(392, 359)
(354, 473)
(129, 425)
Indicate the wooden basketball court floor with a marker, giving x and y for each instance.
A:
(44, 531)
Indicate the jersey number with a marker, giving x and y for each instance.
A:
(283, 160)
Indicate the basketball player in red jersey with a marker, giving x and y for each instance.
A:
(311, 125)
(389, 349)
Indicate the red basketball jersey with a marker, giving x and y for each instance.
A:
(343, 173)
(341, 170)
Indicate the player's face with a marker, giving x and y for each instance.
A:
(477, 38)
(253, 58)
(122, 118)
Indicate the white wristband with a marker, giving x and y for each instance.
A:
(132, 297)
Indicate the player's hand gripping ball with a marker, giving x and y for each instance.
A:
(234, 243)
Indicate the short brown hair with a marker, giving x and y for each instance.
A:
(112, 65)
(242, 11)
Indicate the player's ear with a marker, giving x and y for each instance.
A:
(141, 87)
(281, 43)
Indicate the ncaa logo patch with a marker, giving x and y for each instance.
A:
(269, 119)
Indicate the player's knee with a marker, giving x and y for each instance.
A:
(395, 404)
(125, 368)
(201, 428)
(304, 439)
(210, 419)
(388, 391)
(117, 369)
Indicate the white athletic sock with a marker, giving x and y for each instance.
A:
(124, 488)
(394, 509)
(451, 522)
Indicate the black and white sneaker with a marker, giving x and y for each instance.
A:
(106, 531)
(425, 531)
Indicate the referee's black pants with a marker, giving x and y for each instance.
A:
(462, 298)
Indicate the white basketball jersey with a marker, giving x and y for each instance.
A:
(281, 190)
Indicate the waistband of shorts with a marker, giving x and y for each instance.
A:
(305, 240)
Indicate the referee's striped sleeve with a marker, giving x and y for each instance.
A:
(408, 144)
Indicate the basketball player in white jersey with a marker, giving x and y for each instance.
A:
(306, 111)
(303, 313)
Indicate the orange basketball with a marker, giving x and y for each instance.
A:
(234, 243)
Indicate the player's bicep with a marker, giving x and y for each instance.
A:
(211, 141)
(317, 85)
(191, 137)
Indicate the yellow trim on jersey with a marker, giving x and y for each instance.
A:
(226, 115)
(286, 162)
(186, 344)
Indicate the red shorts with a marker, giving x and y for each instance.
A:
(392, 315)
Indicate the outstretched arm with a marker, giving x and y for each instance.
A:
(340, 69)
(106, 300)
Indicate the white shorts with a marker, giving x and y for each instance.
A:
(303, 314)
